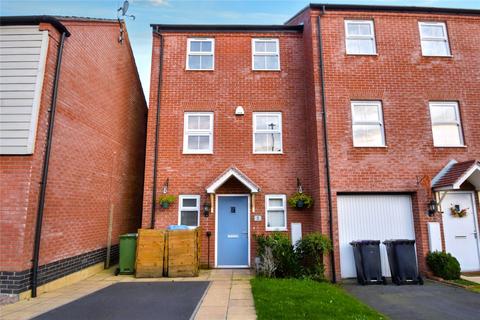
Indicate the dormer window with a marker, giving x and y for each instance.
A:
(200, 54)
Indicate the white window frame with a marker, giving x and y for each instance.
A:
(196, 53)
(284, 208)
(458, 122)
(182, 208)
(254, 53)
(380, 122)
(359, 37)
(279, 114)
(438, 39)
(197, 132)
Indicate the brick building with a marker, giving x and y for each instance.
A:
(237, 115)
(71, 79)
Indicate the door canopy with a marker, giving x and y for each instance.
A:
(227, 174)
(454, 174)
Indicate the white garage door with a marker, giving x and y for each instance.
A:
(372, 217)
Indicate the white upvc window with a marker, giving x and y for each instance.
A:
(434, 39)
(446, 125)
(265, 54)
(276, 212)
(200, 54)
(189, 210)
(198, 132)
(360, 37)
(367, 124)
(267, 132)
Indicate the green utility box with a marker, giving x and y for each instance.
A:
(128, 248)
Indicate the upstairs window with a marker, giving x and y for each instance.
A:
(198, 132)
(360, 37)
(189, 211)
(200, 54)
(276, 212)
(434, 39)
(446, 126)
(265, 54)
(267, 132)
(367, 124)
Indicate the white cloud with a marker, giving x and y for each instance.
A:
(158, 2)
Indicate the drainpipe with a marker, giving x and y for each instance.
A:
(157, 125)
(325, 142)
(46, 159)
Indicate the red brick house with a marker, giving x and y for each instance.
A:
(373, 108)
(72, 141)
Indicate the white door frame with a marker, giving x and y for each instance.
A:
(475, 219)
(216, 228)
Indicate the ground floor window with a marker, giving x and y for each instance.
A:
(276, 212)
(189, 210)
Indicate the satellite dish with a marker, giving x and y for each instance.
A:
(125, 7)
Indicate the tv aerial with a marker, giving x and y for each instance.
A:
(122, 13)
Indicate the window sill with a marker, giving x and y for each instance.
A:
(376, 147)
(267, 70)
(272, 153)
(362, 54)
(425, 56)
(187, 152)
(200, 70)
(275, 229)
(449, 147)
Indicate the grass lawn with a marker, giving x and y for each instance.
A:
(473, 286)
(306, 299)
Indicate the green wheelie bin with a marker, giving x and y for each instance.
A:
(128, 248)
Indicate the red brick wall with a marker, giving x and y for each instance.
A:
(233, 83)
(405, 82)
(97, 157)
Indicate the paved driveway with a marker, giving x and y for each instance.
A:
(430, 301)
(133, 300)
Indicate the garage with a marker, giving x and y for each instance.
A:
(372, 217)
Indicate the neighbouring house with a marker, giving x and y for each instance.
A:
(372, 110)
(72, 147)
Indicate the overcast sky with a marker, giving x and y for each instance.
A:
(189, 12)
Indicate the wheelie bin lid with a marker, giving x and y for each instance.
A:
(398, 241)
(129, 235)
(364, 242)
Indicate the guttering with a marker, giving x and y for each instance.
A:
(325, 144)
(157, 125)
(224, 28)
(46, 159)
(34, 20)
(405, 9)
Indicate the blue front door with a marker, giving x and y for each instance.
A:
(233, 232)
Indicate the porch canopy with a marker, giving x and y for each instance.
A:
(454, 174)
(229, 173)
(235, 173)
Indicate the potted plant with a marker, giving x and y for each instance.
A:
(166, 199)
(300, 200)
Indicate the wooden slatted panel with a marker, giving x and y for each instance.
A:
(23, 51)
(183, 253)
(150, 253)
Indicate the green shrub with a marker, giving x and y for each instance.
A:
(444, 265)
(311, 250)
(284, 256)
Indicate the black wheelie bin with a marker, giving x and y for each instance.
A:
(367, 262)
(403, 261)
